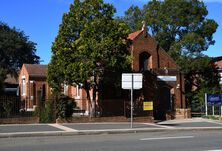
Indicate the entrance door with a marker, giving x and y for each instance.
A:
(163, 103)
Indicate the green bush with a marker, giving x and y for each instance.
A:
(45, 113)
(210, 117)
(65, 106)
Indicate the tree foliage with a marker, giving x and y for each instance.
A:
(15, 49)
(89, 43)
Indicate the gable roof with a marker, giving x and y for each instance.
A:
(36, 70)
(133, 35)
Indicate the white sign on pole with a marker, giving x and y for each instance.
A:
(128, 78)
(132, 81)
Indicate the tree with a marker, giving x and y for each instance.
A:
(182, 29)
(90, 42)
(15, 50)
(133, 17)
(202, 78)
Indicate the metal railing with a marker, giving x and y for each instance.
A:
(10, 107)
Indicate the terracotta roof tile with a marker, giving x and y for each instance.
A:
(133, 35)
(36, 70)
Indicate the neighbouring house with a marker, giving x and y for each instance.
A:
(80, 96)
(11, 85)
(34, 88)
(217, 61)
(33, 85)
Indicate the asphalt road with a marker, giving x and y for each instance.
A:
(152, 141)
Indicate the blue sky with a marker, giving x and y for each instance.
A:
(40, 20)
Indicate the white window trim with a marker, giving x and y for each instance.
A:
(65, 88)
(220, 73)
(23, 86)
(77, 92)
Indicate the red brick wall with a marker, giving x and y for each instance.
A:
(159, 60)
(148, 44)
(33, 85)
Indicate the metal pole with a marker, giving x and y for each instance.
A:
(221, 111)
(132, 103)
(213, 110)
(206, 104)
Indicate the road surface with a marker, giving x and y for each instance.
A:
(152, 141)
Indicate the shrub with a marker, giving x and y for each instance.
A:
(45, 113)
(65, 106)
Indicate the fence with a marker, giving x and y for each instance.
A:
(10, 107)
(12, 111)
(13, 107)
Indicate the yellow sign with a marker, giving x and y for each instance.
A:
(147, 106)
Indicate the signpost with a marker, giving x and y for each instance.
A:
(132, 81)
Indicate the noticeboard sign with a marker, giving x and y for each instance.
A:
(147, 106)
(214, 99)
(166, 78)
(130, 80)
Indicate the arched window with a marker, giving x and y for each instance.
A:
(144, 61)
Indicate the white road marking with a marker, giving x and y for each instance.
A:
(162, 138)
(64, 128)
(158, 125)
(215, 150)
(215, 122)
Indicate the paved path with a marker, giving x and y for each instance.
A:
(13, 130)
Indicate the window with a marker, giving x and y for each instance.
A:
(23, 86)
(66, 88)
(144, 61)
(220, 77)
(77, 91)
(43, 92)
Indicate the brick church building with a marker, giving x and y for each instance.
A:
(163, 84)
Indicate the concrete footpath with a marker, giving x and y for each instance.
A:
(66, 129)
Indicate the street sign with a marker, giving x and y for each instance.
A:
(166, 78)
(214, 99)
(132, 79)
(147, 106)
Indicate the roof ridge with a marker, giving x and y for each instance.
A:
(133, 35)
